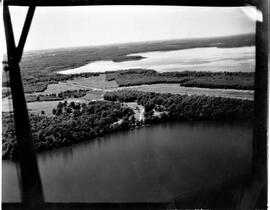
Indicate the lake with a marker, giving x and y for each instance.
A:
(150, 164)
(196, 59)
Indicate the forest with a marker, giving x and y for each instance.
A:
(127, 58)
(184, 107)
(224, 80)
(74, 122)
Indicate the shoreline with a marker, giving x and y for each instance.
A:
(76, 122)
(132, 127)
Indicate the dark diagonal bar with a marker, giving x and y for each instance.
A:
(25, 31)
(31, 188)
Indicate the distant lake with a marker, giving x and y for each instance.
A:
(149, 164)
(195, 59)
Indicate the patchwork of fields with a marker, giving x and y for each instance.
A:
(98, 85)
(40, 77)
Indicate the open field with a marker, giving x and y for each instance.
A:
(97, 94)
(93, 95)
(94, 83)
(98, 82)
(57, 88)
(46, 106)
(176, 89)
(34, 107)
(99, 85)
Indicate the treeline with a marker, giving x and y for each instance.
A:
(75, 123)
(122, 58)
(73, 93)
(60, 96)
(225, 80)
(183, 107)
(39, 82)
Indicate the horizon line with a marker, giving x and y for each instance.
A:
(137, 42)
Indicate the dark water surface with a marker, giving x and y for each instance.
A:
(149, 164)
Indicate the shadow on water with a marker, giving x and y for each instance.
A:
(149, 164)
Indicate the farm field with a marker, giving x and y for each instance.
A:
(93, 95)
(37, 107)
(94, 83)
(97, 94)
(57, 88)
(98, 82)
(176, 89)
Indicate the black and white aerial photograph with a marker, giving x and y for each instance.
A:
(147, 106)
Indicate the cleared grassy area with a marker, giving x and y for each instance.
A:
(93, 95)
(48, 106)
(35, 107)
(58, 88)
(138, 110)
(176, 89)
(99, 82)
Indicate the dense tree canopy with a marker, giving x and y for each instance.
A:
(184, 107)
(71, 124)
(203, 79)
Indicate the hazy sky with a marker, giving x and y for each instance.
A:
(83, 26)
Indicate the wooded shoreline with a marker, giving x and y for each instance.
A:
(76, 122)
